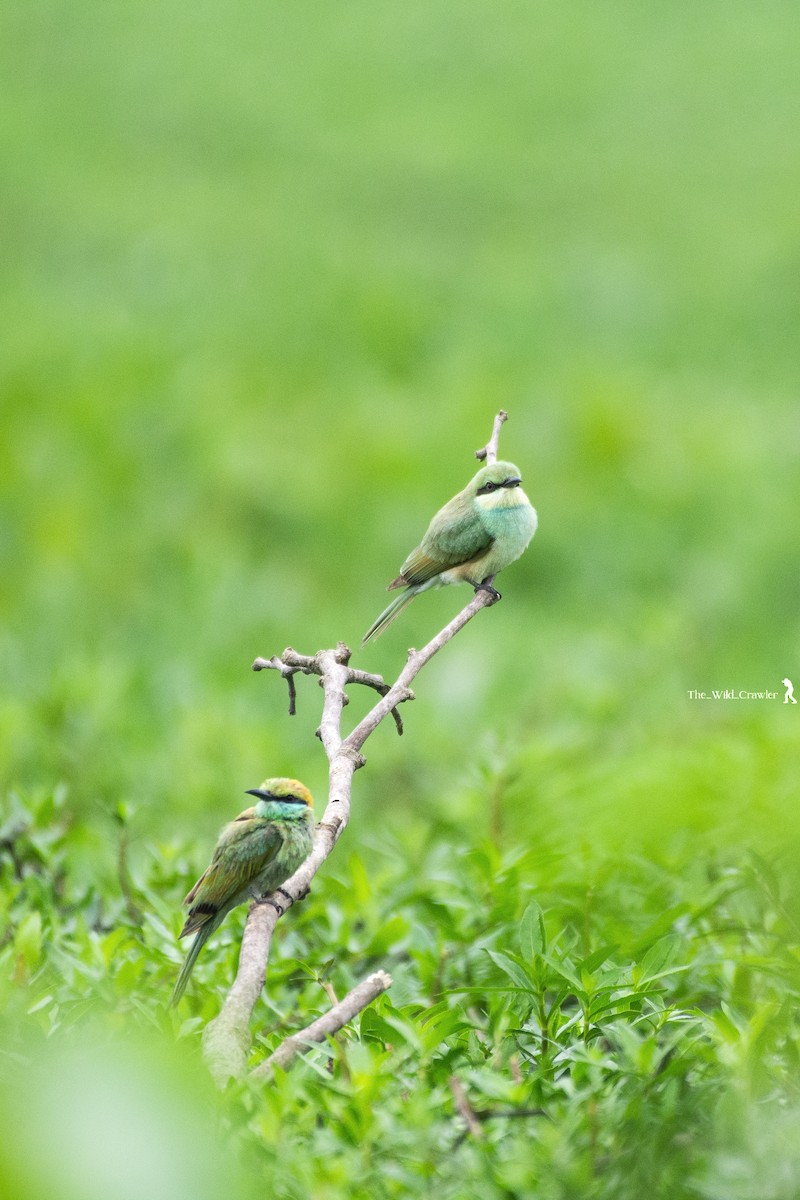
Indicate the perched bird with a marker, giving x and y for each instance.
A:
(477, 533)
(253, 856)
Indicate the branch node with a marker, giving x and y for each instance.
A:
(333, 826)
(349, 752)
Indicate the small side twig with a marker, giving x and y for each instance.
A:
(489, 451)
(480, 1115)
(328, 1024)
(125, 884)
(375, 681)
(288, 674)
(464, 1107)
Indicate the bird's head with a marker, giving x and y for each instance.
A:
(289, 794)
(497, 485)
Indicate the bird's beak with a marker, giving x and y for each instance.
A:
(515, 482)
(262, 795)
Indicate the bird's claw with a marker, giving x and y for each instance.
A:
(487, 587)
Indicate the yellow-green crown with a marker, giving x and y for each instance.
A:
(282, 789)
(497, 472)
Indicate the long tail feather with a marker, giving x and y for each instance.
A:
(186, 970)
(388, 615)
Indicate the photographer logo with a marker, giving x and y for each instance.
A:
(744, 693)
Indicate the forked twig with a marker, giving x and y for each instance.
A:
(290, 662)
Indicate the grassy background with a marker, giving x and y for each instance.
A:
(268, 274)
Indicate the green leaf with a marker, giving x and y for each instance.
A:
(442, 1026)
(564, 970)
(515, 972)
(28, 940)
(660, 956)
(374, 1028)
(532, 937)
(595, 960)
(387, 934)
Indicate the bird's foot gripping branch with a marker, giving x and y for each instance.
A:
(227, 1039)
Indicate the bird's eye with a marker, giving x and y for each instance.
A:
(490, 487)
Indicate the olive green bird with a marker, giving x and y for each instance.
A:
(475, 536)
(253, 856)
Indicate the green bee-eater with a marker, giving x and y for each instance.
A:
(253, 856)
(477, 533)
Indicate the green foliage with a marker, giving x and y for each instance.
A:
(610, 1024)
(268, 272)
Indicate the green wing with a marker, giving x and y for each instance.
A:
(241, 854)
(455, 535)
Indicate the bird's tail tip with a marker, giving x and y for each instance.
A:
(388, 615)
(186, 969)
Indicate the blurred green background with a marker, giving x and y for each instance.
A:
(269, 271)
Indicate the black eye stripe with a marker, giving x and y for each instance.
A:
(289, 799)
(491, 486)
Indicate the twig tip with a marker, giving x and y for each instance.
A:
(489, 451)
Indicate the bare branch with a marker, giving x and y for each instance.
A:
(417, 659)
(226, 1040)
(489, 451)
(329, 1023)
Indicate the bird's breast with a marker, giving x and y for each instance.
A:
(508, 513)
(511, 526)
